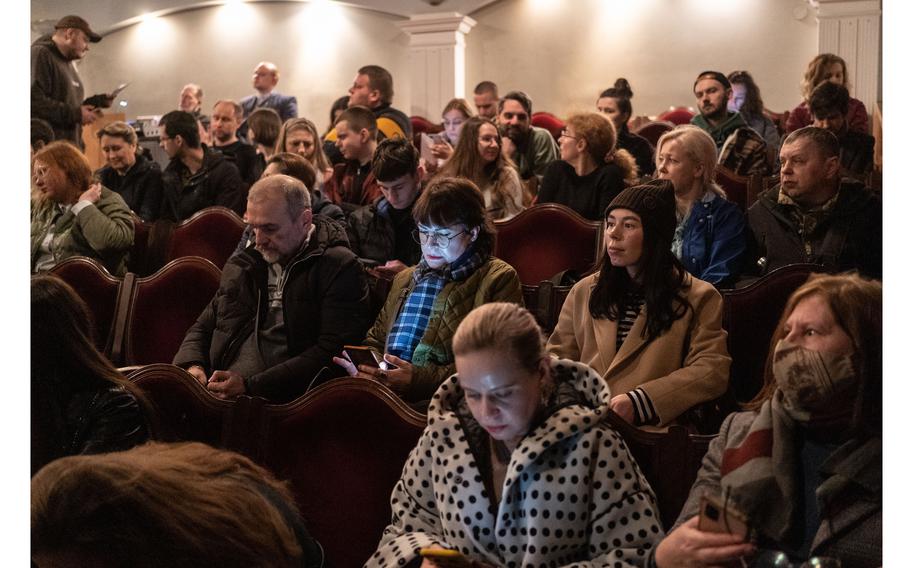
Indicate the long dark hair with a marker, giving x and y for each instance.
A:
(64, 362)
(752, 105)
(661, 280)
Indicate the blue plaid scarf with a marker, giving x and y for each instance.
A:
(428, 282)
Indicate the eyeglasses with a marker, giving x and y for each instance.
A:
(565, 134)
(425, 237)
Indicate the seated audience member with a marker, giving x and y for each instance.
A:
(454, 115)
(80, 403)
(284, 305)
(426, 303)
(373, 88)
(486, 99)
(829, 103)
(529, 147)
(300, 168)
(827, 67)
(72, 216)
(479, 158)
(136, 178)
(338, 107)
(616, 104)
(739, 148)
(747, 101)
(525, 434)
(42, 134)
(191, 101)
(225, 122)
(651, 329)
(265, 79)
(815, 215)
(582, 179)
(264, 126)
(381, 233)
(710, 237)
(803, 463)
(196, 177)
(298, 136)
(352, 183)
(184, 504)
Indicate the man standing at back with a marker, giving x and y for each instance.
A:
(285, 306)
(57, 91)
(225, 122)
(740, 149)
(814, 215)
(196, 177)
(486, 99)
(373, 88)
(265, 79)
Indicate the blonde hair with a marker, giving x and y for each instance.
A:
(121, 130)
(504, 328)
(815, 72)
(600, 134)
(164, 505)
(699, 147)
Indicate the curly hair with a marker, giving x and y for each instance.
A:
(815, 72)
(600, 134)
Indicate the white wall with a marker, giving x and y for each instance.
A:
(563, 53)
(317, 48)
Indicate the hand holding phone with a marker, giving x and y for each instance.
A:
(720, 516)
(445, 557)
(360, 355)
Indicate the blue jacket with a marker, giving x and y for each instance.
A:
(714, 241)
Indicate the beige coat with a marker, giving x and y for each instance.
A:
(684, 366)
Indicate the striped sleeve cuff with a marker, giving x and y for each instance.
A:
(643, 407)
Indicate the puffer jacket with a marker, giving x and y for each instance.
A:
(141, 187)
(433, 360)
(103, 231)
(572, 493)
(372, 234)
(217, 182)
(325, 308)
(714, 241)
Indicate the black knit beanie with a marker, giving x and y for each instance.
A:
(654, 202)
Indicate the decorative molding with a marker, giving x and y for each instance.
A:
(843, 8)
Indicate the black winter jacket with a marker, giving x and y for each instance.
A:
(141, 187)
(57, 91)
(325, 308)
(850, 237)
(372, 235)
(217, 182)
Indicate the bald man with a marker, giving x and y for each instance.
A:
(265, 79)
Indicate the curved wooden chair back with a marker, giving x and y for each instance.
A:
(652, 131)
(546, 239)
(212, 233)
(676, 115)
(139, 253)
(549, 121)
(342, 446)
(164, 306)
(97, 288)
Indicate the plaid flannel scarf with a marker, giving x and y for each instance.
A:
(415, 315)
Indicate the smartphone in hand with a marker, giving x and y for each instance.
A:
(720, 516)
(360, 355)
(446, 558)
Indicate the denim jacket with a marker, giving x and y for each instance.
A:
(714, 240)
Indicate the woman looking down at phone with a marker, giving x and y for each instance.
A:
(803, 464)
(517, 466)
(456, 273)
(478, 156)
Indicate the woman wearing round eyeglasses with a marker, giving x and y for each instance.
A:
(456, 273)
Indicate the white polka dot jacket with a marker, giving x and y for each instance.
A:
(572, 493)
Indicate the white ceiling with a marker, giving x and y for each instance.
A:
(107, 15)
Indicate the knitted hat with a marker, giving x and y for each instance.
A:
(654, 202)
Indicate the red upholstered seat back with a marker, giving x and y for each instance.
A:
(735, 186)
(98, 289)
(165, 305)
(138, 259)
(419, 125)
(750, 316)
(545, 239)
(212, 233)
(676, 115)
(342, 446)
(652, 131)
(549, 121)
(183, 409)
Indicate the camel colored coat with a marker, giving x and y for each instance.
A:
(684, 366)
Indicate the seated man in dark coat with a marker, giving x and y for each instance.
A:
(828, 104)
(196, 177)
(814, 215)
(226, 116)
(285, 305)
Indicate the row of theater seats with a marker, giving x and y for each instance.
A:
(343, 445)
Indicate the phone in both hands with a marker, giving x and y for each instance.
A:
(720, 516)
(360, 355)
(446, 557)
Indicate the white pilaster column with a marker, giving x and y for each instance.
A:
(437, 60)
(852, 29)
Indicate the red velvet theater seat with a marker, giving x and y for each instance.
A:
(549, 121)
(98, 289)
(677, 115)
(652, 131)
(212, 233)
